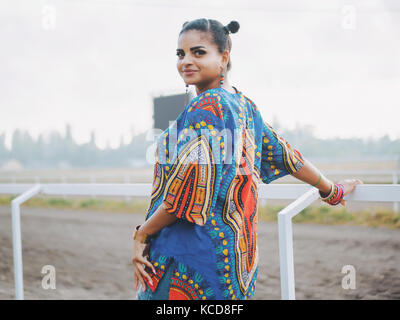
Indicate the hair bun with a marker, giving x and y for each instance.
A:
(233, 26)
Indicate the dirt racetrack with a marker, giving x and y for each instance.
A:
(92, 251)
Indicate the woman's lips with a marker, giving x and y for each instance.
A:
(189, 72)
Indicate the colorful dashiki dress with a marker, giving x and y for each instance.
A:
(208, 165)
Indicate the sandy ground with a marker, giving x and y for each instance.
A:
(91, 252)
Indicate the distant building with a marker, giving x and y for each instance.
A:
(167, 108)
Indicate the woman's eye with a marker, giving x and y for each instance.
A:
(201, 52)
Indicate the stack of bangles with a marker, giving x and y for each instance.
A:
(336, 194)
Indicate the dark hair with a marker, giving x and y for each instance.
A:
(219, 32)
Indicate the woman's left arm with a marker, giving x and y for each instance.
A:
(159, 219)
(311, 175)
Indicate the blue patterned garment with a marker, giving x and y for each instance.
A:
(208, 165)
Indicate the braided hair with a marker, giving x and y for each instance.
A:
(219, 32)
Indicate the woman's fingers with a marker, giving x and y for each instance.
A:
(142, 282)
(349, 185)
(148, 263)
(354, 183)
(140, 262)
(140, 256)
(144, 273)
(144, 261)
(140, 273)
(135, 279)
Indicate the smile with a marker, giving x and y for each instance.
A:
(187, 73)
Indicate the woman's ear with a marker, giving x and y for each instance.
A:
(225, 59)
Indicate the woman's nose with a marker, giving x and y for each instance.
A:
(187, 60)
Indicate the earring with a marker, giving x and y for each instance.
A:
(186, 95)
(221, 79)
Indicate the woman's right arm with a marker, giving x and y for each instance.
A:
(279, 158)
(310, 174)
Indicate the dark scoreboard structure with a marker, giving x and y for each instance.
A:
(167, 108)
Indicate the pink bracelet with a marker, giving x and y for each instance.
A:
(335, 196)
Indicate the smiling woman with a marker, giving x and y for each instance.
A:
(199, 240)
(203, 64)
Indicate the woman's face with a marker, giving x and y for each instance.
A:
(197, 52)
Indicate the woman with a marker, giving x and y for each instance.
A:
(199, 240)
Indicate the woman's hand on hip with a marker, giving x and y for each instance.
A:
(140, 262)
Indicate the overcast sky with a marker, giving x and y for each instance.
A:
(96, 64)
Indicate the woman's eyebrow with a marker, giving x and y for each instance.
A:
(191, 49)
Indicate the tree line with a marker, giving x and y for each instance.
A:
(57, 149)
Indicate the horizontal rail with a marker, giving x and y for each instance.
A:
(364, 192)
(78, 174)
(361, 172)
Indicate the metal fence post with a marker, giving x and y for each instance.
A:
(16, 236)
(64, 180)
(286, 257)
(395, 181)
(93, 180)
(285, 236)
(127, 180)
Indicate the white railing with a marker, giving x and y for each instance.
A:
(386, 176)
(304, 195)
(365, 192)
(118, 177)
